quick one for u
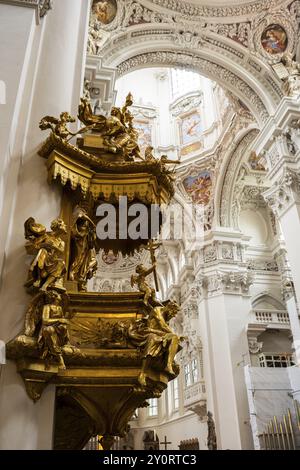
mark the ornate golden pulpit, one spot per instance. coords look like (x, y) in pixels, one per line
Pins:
(107, 353)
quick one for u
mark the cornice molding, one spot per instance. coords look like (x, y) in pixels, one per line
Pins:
(41, 6)
(251, 8)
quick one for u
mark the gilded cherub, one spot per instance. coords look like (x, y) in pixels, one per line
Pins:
(140, 281)
(58, 125)
(48, 267)
(155, 338)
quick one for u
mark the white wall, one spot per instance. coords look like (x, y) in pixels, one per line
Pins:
(51, 84)
(181, 429)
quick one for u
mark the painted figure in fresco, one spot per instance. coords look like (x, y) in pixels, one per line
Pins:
(83, 251)
(191, 128)
(104, 11)
(274, 39)
(199, 187)
(48, 267)
(144, 134)
(155, 338)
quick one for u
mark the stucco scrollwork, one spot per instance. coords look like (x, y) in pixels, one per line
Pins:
(284, 192)
(220, 11)
(280, 18)
(186, 104)
(237, 282)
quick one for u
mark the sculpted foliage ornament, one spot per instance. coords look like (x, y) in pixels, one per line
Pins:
(266, 31)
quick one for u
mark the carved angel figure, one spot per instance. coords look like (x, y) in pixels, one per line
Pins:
(291, 84)
(140, 281)
(53, 334)
(48, 267)
(155, 338)
(83, 251)
(94, 38)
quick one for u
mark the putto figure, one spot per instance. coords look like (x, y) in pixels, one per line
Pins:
(83, 251)
(48, 267)
(58, 125)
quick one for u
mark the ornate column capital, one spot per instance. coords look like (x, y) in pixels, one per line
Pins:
(42, 6)
(229, 282)
(284, 193)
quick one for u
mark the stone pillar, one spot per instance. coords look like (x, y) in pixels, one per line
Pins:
(52, 84)
(292, 309)
(224, 307)
(280, 142)
(284, 199)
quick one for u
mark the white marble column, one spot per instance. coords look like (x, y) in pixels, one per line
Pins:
(295, 326)
(223, 316)
(224, 307)
(52, 84)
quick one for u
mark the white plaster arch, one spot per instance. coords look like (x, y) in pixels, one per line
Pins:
(145, 35)
(224, 192)
(269, 298)
(247, 87)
